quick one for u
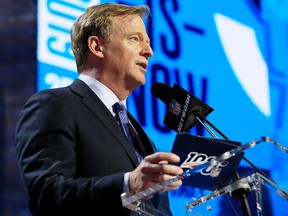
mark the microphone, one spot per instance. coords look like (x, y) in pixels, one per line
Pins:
(183, 108)
(183, 111)
(195, 110)
(162, 91)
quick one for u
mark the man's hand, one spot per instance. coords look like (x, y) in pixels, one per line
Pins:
(154, 169)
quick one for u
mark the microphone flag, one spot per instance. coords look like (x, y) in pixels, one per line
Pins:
(181, 110)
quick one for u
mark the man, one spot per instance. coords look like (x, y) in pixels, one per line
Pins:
(73, 155)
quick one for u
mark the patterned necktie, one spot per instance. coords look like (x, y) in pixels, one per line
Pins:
(122, 117)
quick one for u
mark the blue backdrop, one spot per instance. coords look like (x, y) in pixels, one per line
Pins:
(231, 54)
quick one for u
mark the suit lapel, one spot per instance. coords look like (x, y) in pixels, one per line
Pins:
(95, 105)
(144, 143)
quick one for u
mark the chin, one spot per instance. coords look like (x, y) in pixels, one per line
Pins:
(142, 82)
(134, 83)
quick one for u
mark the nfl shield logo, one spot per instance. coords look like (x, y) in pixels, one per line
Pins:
(175, 107)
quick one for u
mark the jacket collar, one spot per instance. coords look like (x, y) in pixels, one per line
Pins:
(96, 106)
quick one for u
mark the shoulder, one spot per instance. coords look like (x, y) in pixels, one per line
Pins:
(60, 94)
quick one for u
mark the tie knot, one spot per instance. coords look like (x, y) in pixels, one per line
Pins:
(119, 106)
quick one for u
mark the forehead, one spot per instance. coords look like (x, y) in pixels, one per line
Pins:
(128, 24)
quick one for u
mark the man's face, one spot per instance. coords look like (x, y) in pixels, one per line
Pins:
(127, 52)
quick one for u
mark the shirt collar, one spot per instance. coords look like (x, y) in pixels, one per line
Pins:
(103, 92)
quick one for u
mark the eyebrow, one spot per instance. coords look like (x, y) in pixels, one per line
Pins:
(142, 36)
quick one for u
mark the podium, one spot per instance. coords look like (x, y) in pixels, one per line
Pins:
(268, 198)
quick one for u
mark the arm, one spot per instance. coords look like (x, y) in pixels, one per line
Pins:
(46, 146)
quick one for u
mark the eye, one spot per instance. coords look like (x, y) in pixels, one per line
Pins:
(135, 38)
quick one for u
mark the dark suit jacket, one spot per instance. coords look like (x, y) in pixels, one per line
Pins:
(73, 154)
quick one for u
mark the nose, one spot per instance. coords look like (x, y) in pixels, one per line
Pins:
(146, 50)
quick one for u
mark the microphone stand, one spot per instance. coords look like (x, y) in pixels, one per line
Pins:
(200, 118)
(241, 192)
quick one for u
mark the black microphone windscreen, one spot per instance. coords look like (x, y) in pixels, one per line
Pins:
(162, 91)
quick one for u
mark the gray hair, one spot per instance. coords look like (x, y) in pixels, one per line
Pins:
(97, 20)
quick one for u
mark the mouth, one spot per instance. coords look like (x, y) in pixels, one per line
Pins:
(142, 65)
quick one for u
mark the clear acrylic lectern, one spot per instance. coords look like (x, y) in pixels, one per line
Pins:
(270, 198)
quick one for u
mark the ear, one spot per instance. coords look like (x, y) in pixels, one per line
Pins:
(95, 46)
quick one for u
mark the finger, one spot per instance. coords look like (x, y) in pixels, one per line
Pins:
(160, 176)
(169, 169)
(157, 169)
(163, 156)
(163, 162)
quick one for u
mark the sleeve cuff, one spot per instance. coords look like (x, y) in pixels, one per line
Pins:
(126, 183)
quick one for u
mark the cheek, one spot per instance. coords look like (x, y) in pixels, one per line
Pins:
(123, 55)
(127, 58)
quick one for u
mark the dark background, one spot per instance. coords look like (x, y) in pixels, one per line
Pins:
(17, 83)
